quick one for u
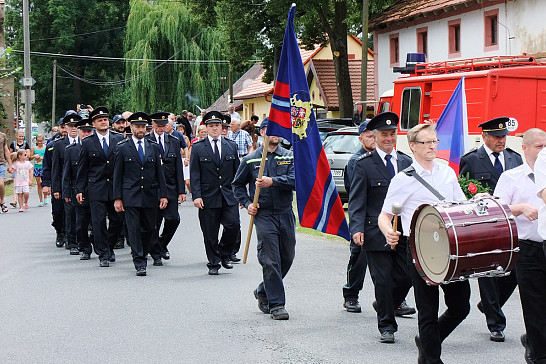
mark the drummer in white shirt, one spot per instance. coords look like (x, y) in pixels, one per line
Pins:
(408, 191)
(516, 187)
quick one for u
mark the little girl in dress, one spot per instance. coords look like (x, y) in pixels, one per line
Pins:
(22, 179)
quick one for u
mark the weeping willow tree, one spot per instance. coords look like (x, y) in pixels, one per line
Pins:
(165, 30)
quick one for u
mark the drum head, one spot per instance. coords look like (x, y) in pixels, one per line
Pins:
(432, 244)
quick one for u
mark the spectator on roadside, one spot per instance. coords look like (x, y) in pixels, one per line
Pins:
(183, 119)
(175, 133)
(240, 137)
(5, 160)
(250, 127)
(18, 144)
(198, 121)
(232, 113)
(201, 133)
(22, 179)
(38, 155)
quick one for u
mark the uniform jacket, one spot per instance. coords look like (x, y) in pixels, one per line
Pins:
(70, 172)
(172, 166)
(139, 184)
(477, 163)
(46, 165)
(280, 167)
(369, 187)
(210, 179)
(349, 168)
(57, 164)
(95, 170)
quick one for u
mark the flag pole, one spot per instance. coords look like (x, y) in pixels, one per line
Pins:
(256, 196)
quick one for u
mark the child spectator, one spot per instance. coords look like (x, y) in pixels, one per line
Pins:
(38, 156)
(22, 180)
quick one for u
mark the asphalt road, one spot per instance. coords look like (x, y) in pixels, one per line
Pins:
(55, 308)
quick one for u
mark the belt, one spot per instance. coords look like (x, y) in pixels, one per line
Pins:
(536, 244)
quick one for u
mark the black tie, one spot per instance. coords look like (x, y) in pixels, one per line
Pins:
(532, 177)
(390, 166)
(497, 165)
(216, 151)
(161, 147)
(105, 146)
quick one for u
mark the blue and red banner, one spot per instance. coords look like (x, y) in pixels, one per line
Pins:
(292, 117)
(452, 128)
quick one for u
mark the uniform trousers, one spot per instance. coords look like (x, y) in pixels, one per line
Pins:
(57, 210)
(70, 224)
(140, 229)
(494, 292)
(356, 272)
(210, 220)
(171, 219)
(531, 271)
(276, 250)
(104, 239)
(391, 280)
(433, 329)
(83, 217)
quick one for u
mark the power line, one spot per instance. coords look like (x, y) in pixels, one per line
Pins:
(80, 34)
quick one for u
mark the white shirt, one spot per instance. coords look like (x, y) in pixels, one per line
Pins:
(107, 136)
(394, 158)
(515, 186)
(72, 140)
(135, 140)
(540, 180)
(235, 115)
(411, 193)
(218, 144)
(159, 138)
(492, 157)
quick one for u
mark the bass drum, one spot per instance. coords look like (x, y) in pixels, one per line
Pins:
(456, 241)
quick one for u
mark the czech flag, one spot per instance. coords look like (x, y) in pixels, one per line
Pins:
(452, 128)
(292, 117)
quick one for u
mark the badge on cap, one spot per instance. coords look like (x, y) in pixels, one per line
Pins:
(501, 126)
(388, 122)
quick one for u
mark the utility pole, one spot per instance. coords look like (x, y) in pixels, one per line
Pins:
(54, 94)
(230, 76)
(364, 67)
(27, 80)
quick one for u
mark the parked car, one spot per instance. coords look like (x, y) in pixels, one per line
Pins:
(339, 146)
(326, 126)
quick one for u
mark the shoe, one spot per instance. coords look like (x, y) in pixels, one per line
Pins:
(119, 244)
(404, 309)
(374, 305)
(112, 257)
(279, 313)
(480, 306)
(26, 207)
(46, 201)
(263, 303)
(234, 258)
(74, 251)
(141, 272)
(387, 337)
(59, 240)
(41, 204)
(85, 256)
(497, 336)
(525, 344)
(21, 210)
(158, 262)
(3, 207)
(13, 204)
(226, 263)
(104, 263)
(166, 255)
(213, 271)
(352, 306)
(421, 358)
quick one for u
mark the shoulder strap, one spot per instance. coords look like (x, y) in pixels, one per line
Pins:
(410, 171)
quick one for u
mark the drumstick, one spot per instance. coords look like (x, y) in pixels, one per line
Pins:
(396, 209)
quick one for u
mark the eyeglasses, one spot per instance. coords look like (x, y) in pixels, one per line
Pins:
(429, 143)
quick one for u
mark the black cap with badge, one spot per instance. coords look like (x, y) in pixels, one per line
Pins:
(84, 124)
(213, 117)
(71, 119)
(160, 117)
(99, 112)
(496, 126)
(139, 118)
(384, 121)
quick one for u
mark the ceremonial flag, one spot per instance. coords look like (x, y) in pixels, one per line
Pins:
(452, 128)
(291, 116)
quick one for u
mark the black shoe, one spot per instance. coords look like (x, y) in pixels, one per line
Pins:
(525, 344)
(158, 262)
(234, 258)
(263, 303)
(104, 263)
(59, 240)
(497, 336)
(141, 272)
(74, 251)
(226, 263)
(480, 306)
(112, 258)
(421, 358)
(85, 256)
(166, 255)
(404, 309)
(387, 337)
(279, 313)
(120, 244)
(352, 306)
(213, 271)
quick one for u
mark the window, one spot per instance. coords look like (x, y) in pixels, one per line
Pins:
(422, 41)
(454, 32)
(394, 50)
(491, 30)
(411, 107)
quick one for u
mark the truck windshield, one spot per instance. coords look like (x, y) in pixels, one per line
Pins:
(411, 107)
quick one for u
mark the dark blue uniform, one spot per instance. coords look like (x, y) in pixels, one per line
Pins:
(82, 211)
(388, 268)
(94, 179)
(57, 207)
(210, 179)
(140, 185)
(59, 148)
(494, 292)
(275, 221)
(174, 177)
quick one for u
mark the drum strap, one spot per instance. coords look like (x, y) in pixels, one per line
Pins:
(410, 171)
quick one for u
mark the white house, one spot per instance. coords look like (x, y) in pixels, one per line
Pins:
(455, 29)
